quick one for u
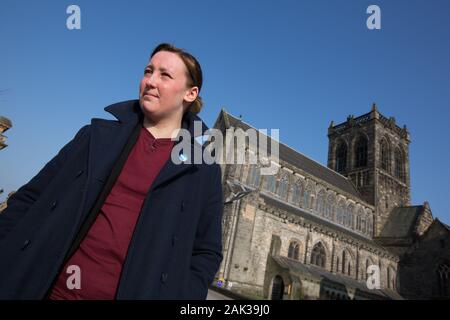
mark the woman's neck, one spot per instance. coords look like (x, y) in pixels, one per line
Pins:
(162, 129)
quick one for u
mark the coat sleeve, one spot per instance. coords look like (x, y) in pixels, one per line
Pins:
(19, 203)
(207, 251)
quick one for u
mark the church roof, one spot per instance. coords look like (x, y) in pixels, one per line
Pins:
(437, 224)
(298, 268)
(299, 160)
(445, 226)
(401, 222)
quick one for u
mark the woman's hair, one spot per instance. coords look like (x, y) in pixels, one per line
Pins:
(194, 75)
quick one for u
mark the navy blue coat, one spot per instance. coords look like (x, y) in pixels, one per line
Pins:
(176, 248)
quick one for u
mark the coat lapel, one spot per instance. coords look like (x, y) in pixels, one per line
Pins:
(171, 170)
(108, 139)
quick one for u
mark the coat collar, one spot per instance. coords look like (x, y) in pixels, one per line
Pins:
(130, 112)
(109, 137)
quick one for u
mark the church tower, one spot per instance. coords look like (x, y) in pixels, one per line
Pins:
(373, 152)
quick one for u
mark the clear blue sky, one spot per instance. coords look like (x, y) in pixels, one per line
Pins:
(293, 65)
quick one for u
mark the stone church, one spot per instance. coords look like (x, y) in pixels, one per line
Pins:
(347, 230)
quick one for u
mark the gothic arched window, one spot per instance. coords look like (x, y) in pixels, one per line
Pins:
(345, 217)
(358, 219)
(341, 157)
(307, 198)
(444, 280)
(330, 205)
(282, 187)
(385, 156)
(344, 261)
(363, 224)
(399, 164)
(340, 213)
(277, 288)
(349, 221)
(369, 224)
(361, 152)
(254, 176)
(321, 203)
(294, 250)
(270, 183)
(318, 256)
(296, 193)
(390, 278)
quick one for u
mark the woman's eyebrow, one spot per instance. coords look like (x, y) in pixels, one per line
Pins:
(162, 69)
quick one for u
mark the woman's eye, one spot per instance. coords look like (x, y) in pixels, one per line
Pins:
(165, 74)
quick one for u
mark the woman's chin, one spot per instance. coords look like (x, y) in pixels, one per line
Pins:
(149, 106)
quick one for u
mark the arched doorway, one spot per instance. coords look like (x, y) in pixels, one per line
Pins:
(277, 288)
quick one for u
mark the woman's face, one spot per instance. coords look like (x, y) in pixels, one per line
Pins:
(163, 90)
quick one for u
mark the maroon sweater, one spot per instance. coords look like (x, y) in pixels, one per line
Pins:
(102, 252)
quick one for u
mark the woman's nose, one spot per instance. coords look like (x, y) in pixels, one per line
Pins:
(151, 80)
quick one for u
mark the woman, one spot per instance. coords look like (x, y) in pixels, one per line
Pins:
(112, 216)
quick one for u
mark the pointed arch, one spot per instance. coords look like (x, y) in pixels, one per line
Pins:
(369, 228)
(283, 186)
(254, 176)
(359, 214)
(318, 255)
(321, 202)
(360, 151)
(270, 183)
(369, 261)
(330, 206)
(390, 277)
(340, 211)
(308, 196)
(347, 261)
(443, 279)
(294, 250)
(399, 164)
(277, 288)
(350, 213)
(385, 155)
(341, 156)
(297, 192)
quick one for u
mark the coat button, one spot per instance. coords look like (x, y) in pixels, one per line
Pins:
(163, 277)
(79, 173)
(174, 240)
(183, 204)
(26, 244)
(53, 205)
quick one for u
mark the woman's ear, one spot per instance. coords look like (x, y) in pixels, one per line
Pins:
(191, 94)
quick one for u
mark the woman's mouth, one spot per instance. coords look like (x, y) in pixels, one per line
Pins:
(150, 95)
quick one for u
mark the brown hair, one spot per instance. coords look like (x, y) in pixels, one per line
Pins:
(194, 75)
